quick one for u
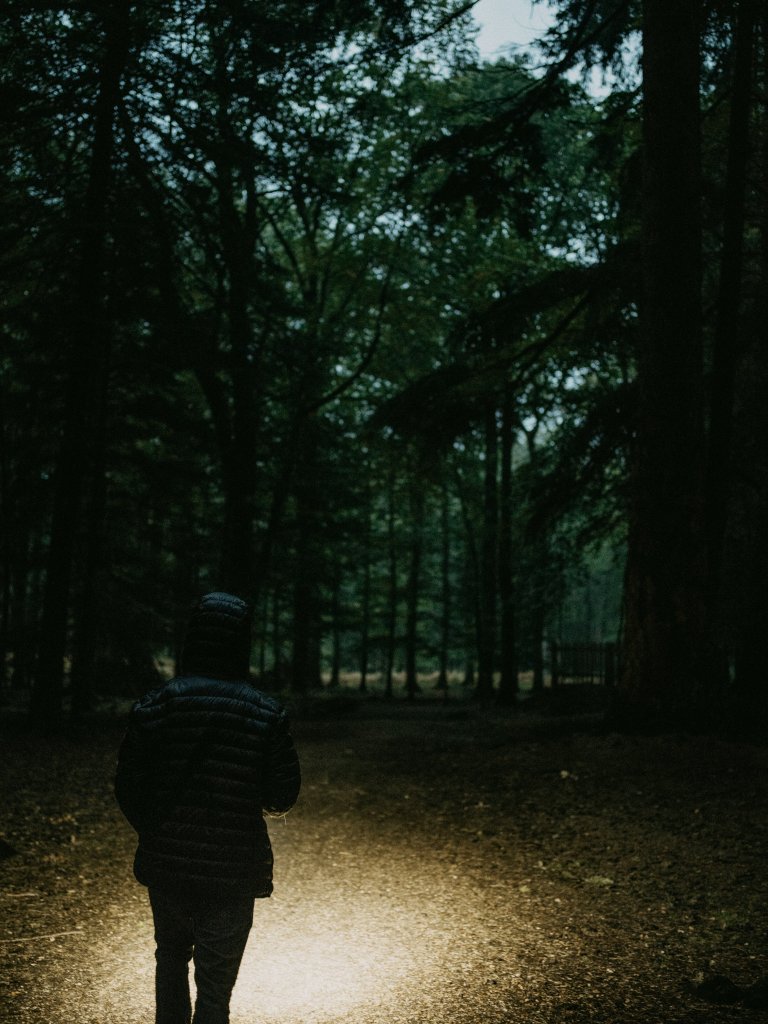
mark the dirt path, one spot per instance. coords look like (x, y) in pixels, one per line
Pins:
(443, 864)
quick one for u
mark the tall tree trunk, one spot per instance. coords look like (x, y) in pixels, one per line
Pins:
(306, 611)
(665, 636)
(471, 604)
(508, 681)
(240, 454)
(234, 403)
(728, 343)
(335, 626)
(365, 602)
(470, 588)
(446, 590)
(413, 588)
(263, 631)
(489, 573)
(751, 612)
(6, 525)
(392, 593)
(20, 584)
(750, 541)
(87, 329)
(85, 638)
(277, 640)
(304, 602)
(537, 646)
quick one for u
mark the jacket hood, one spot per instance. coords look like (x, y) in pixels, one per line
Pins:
(218, 638)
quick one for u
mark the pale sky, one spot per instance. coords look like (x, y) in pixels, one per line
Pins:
(519, 23)
(505, 22)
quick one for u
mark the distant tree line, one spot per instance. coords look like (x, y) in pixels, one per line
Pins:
(305, 302)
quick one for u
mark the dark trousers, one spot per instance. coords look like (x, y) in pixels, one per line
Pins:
(213, 932)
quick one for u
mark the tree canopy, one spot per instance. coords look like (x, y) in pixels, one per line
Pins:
(411, 349)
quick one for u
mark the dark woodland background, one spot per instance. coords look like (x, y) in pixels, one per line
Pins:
(440, 363)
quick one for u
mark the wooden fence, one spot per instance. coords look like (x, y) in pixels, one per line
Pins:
(583, 663)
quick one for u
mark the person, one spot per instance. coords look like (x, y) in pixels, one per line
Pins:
(204, 757)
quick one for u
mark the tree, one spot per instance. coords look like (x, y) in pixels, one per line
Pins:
(87, 336)
(546, 304)
(200, 275)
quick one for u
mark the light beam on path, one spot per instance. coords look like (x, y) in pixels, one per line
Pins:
(350, 934)
(314, 963)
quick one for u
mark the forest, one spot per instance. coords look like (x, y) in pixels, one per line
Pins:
(438, 361)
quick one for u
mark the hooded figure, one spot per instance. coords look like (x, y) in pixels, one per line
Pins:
(204, 757)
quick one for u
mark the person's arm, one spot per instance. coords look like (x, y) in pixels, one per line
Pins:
(134, 782)
(283, 780)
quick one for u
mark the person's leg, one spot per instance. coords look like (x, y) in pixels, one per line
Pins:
(221, 932)
(174, 937)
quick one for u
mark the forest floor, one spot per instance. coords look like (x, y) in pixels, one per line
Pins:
(444, 863)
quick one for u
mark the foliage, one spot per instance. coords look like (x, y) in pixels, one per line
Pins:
(305, 302)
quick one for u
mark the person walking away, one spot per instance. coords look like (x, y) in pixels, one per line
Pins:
(204, 758)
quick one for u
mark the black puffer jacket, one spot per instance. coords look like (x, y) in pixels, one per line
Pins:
(202, 759)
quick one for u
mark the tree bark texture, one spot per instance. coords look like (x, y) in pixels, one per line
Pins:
(413, 588)
(665, 637)
(489, 571)
(748, 537)
(445, 580)
(239, 456)
(87, 334)
(508, 680)
(6, 525)
(336, 626)
(305, 666)
(391, 640)
(365, 604)
(729, 341)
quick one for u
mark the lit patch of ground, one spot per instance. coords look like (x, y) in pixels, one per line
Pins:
(443, 866)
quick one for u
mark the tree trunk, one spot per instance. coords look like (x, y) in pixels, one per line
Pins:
(728, 343)
(87, 330)
(263, 632)
(751, 604)
(365, 603)
(391, 644)
(6, 524)
(413, 588)
(470, 588)
(508, 681)
(19, 626)
(304, 601)
(445, 578)
(335, 627)
(240, 456)
(86, 623)
(233, 402)
(237, 573)
(664, 642)
(86, 632)
(306, 625)
(537, 642)
(471, 613)
(277, 641)
(489, 573)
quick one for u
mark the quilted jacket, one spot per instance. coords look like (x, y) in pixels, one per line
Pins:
(203, 758)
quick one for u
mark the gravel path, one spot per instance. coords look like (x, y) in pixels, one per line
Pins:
(443, 864)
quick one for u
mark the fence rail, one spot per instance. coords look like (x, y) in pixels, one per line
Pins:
(583, 663)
